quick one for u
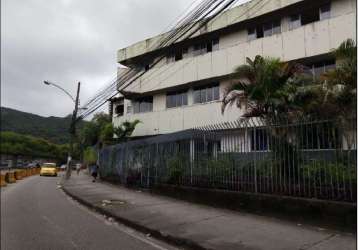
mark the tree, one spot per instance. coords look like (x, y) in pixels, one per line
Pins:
(91, 133)
(264, 87)
(18, 144)
(106, 134)
(125, 129)
(89, 156)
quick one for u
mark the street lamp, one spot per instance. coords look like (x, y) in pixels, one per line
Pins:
(73, 123)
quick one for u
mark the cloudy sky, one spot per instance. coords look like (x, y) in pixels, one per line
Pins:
(66, 41)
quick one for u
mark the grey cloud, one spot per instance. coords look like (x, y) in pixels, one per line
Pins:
(66, 41)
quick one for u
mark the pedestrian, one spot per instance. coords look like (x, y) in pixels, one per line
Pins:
(94, 172)
(78, 168)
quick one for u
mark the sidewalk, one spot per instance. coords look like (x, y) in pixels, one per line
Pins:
(198, 226)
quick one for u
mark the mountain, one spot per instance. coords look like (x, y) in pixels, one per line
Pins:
(53, 129)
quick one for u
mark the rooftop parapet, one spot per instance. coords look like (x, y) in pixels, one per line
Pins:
(249, 10)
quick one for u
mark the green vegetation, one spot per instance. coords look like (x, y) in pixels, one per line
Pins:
(329, 172)
(89, 156)
(268, 88)
(100, 131)
(335, 93)
(17, 144)
(263, 86)
(53, 129)
(176, 169)
(125, 129)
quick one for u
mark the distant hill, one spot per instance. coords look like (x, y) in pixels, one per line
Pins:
(53, 129)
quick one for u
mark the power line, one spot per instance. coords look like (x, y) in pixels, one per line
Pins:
(193, 22)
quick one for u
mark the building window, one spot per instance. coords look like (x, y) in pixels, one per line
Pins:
(205, 47)
(199, 49)
(310, 16)
(325, 12)
(186, 52)
(129, 109)
(295, 21)
(119, 110)
(215, 44)
(178, 55)
(259, 140)
(251, 34)
(207, 93)
(254, 33)
(272, 28)
(177, 99)
(144, 104)
(170, 57)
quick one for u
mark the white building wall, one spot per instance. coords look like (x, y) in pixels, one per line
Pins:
(166, 120)
(309, 40)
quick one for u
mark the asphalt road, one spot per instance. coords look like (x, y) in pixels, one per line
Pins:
(36, 214)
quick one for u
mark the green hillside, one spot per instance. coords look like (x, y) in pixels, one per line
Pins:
(53, 129)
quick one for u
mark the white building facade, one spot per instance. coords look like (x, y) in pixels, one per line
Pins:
(185, 89)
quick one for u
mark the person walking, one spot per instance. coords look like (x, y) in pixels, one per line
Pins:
(78, 168)
(94, 172)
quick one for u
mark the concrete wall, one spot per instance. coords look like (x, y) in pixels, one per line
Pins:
(166, 120)
(238, 14)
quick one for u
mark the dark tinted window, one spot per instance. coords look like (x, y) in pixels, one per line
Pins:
(209, 94)
(177, 99)
(310, 16)
(295, 21)
(178, 55)
(197, 96)
(206, 94)
(251, 34)
(216, 93)
(325, 11)
(144, 104)
(119, 110)
(215, 44)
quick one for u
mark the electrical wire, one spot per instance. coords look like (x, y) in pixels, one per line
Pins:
(194, 21)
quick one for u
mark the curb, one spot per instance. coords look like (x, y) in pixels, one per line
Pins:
(178, 241)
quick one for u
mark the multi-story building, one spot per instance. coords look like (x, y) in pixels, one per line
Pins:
(184, 90)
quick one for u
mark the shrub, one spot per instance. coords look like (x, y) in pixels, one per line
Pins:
(320, 170)
(176, 169)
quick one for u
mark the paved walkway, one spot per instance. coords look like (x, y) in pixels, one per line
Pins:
(201, 226)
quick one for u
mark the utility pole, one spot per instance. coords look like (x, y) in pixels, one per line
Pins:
(72, 133)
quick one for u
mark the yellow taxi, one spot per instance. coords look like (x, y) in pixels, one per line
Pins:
(48, 169)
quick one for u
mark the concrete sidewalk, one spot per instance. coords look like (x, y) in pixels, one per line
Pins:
(201, 227)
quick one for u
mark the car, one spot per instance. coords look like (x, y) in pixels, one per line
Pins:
(48, 169)
(31, 165)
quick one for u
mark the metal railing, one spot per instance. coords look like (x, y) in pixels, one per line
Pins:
(303, 158)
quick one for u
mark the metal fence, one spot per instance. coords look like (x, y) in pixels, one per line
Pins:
(303, 158)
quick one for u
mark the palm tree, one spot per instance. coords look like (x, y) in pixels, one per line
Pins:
(340, 84)
(334, 94)
(265, 87)
(125, 129)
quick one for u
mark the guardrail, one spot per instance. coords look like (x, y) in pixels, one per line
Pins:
(9, 176)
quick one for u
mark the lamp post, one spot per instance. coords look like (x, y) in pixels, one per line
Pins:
(72, 125)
